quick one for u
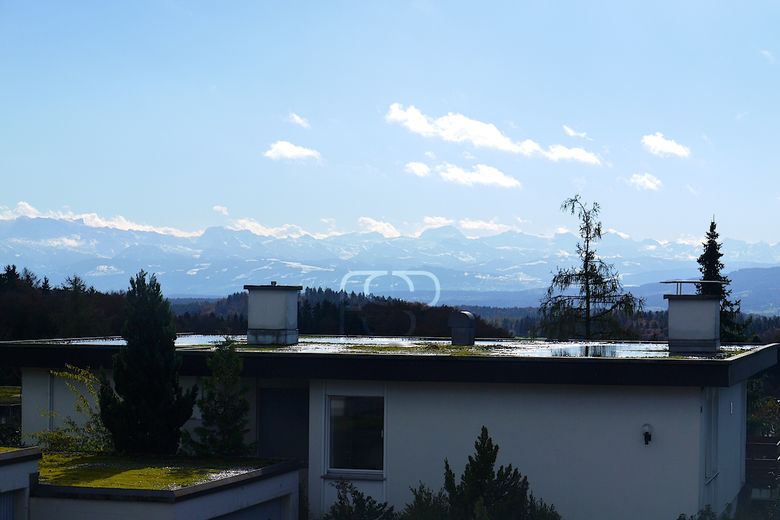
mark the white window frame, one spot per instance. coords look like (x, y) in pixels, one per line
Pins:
(345, 473)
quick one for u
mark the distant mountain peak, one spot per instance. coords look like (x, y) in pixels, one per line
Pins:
(443, 233)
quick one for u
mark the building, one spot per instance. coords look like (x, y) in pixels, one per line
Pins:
(602, 430)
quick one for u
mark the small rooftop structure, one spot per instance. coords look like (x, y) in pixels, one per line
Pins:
(694, 319)
(463, 325)
(272, 314)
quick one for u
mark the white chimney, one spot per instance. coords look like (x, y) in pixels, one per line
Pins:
(694, 320)
(272, 314)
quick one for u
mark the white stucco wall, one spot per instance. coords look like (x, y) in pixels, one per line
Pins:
(43, 393)
(15, 480)
(580, 446)
(273, 309)
(722, 489)
(692, 319)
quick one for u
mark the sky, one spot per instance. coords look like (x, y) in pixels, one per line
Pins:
(332, 117)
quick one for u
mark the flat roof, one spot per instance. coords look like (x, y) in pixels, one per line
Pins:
(133, 472)
(273, 287)
(433, 359)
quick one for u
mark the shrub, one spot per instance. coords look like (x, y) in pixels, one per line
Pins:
(426, 505)
(351, 504)
(706, 514)
(89, 436)
(223, 406)
(481, 492)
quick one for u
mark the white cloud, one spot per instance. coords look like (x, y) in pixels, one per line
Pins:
(298, 120)
(418, 168)
(480, 174)
(120, 222)
(432, 223)
(645, 181)
(385, 229)
(559, 152)
(435, 222)
(693, 191)
(222, 210)
(430, 155)
(768, 55)
(253, 226)
(24, 209)
(482, 227)
(573, 133)
(287, 150)
(457, 128)
(659, 145)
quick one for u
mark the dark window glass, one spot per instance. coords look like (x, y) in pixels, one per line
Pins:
(356, 432)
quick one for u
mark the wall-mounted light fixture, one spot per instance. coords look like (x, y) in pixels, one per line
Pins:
(647, 433)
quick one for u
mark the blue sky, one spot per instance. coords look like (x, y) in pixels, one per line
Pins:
(327, 117)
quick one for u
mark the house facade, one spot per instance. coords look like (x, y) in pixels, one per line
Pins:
(608, 431)
(576, 426)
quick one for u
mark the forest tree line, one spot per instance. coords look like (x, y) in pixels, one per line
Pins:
(32, 308)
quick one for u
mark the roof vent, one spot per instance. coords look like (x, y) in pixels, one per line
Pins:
(462, 324)
(694, 319)
(272, 314)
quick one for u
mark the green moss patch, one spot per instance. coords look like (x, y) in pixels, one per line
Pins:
(10, 394)
(424, 347)
(105, 471)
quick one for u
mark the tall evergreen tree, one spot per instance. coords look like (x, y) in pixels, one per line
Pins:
(586, 299)
(146, 408)
(732, 326)
(224, 407)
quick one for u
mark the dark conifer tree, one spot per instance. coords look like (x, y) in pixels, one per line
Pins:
(587, 299)
(224, 407)
(484, 492)
(146, 408)
(732, 326)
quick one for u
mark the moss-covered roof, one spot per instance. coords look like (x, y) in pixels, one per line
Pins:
(10, 395)
(421, 346)
(108, 471)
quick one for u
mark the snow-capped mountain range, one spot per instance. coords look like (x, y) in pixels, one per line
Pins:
(220, 261)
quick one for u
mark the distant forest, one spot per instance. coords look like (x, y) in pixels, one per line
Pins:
(324, 311)
(30, 308)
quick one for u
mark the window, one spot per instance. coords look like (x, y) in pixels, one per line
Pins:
(356, 433)
(711, 406)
